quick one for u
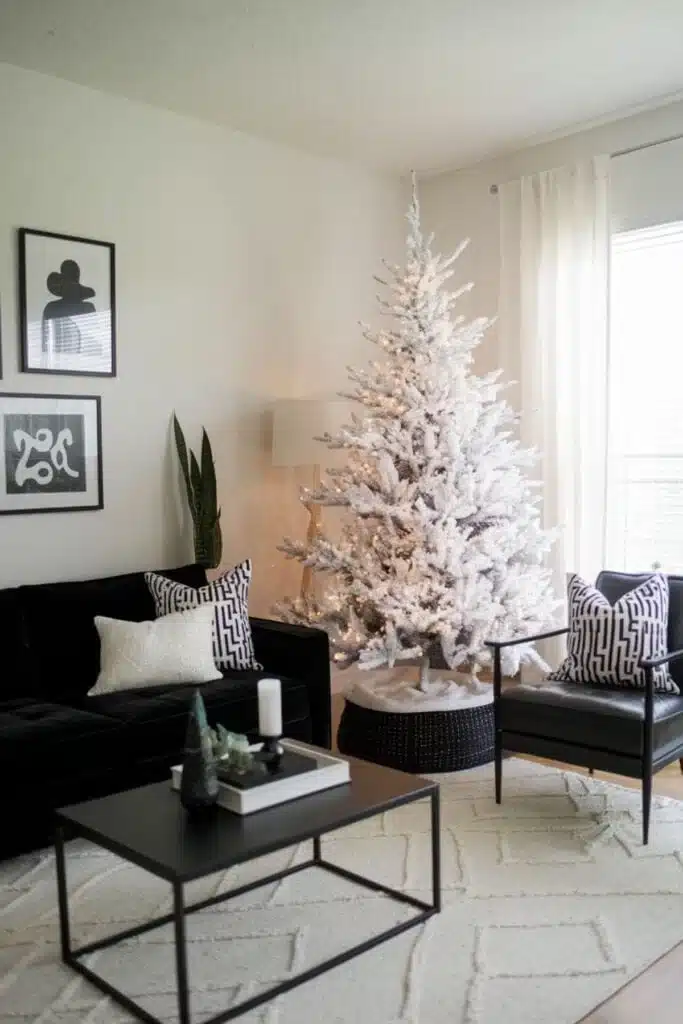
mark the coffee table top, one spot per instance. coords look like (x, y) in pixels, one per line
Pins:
(149, 826)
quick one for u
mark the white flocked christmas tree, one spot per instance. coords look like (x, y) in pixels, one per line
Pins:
(441, 546)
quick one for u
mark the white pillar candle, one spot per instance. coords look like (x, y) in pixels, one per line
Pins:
(269, 707)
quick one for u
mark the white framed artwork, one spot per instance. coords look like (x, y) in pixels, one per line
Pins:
(50, 453)
(67, 304)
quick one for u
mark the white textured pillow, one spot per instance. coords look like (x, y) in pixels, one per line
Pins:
(174, 649)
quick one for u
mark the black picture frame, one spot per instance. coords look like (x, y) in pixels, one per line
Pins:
(46, 469)
(73, 336)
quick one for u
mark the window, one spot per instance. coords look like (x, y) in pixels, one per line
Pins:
(645, 466)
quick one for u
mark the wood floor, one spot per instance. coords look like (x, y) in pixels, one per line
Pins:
(657, 993)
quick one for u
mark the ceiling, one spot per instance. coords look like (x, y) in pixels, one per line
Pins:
(393, 84)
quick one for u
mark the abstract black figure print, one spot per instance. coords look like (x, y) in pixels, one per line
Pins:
(67, 304)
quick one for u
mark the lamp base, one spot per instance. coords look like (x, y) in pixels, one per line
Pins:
(314, 525)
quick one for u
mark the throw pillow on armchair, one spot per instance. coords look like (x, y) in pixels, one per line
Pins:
(607, 642)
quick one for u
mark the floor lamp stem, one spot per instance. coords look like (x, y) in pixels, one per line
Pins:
(314, 521)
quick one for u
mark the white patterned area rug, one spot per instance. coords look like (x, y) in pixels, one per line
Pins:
(546, 913)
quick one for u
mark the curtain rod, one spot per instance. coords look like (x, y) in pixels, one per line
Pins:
(624, 152)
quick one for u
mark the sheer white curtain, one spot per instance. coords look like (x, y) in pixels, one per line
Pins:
(553, 333)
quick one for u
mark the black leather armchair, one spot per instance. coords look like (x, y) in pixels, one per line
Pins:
(629, 732)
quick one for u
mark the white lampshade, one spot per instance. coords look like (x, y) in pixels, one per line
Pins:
(297, 421)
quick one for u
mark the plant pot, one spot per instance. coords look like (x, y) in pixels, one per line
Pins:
(430, 741)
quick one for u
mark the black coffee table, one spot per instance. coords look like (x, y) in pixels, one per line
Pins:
(148, 827)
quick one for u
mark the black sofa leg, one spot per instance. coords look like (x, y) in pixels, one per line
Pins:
(590, 771)
(680, 761)
(647, 800)
(499, 767)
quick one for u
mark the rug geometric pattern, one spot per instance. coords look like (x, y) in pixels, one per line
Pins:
(546, 912)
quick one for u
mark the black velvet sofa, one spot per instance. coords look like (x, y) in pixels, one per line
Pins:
(59, 746)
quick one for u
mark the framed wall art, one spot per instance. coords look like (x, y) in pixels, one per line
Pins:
(50, 453)
(67, 304)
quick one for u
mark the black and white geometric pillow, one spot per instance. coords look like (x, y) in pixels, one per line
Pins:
(233, 646)
(606, 641)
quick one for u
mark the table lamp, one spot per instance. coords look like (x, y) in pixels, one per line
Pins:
(296, 424)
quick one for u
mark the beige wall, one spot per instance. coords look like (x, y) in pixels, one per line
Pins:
(646, 189)
(242, 270)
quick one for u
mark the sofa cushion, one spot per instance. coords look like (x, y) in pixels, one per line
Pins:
(591, 716)
(60, 625)
(41, 739)
(615, 584)
(17, 678)
(155, 719)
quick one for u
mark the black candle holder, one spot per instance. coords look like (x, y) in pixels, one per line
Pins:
(271, 752)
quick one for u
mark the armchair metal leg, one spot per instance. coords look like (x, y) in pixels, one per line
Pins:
(680, 761)
(497, 732)
(647, 800)
(499, 767)
(647, 750)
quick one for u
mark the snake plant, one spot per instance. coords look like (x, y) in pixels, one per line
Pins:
(200, 485)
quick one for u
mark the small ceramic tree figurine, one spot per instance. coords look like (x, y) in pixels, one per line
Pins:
(231, 750)
(199, 783)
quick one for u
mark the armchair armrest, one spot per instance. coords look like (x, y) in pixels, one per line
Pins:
(300, 652)
(662, 660)
(650, 664)
(498, 644)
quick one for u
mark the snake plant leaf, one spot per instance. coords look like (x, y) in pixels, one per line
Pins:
(196, 479)
(181, 448)
(208, 477)
(216, 553)
(200, 484)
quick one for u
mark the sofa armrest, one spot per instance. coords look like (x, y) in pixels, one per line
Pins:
(299, 652)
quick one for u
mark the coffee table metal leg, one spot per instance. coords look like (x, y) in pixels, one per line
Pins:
(181, 953)
(436, 850)
(317, 851)
(62, 895)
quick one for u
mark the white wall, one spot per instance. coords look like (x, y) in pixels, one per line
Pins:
(242, 270)
(647, 189)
